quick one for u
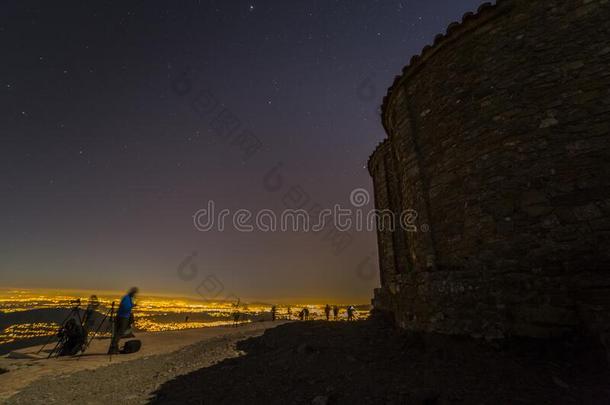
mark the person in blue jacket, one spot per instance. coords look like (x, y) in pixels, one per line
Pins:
(122, 319)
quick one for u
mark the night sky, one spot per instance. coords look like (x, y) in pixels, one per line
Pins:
(111, 139)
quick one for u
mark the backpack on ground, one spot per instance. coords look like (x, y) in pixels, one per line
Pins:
(131, 346)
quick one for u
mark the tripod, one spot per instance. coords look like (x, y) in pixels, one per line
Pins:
(75, 309)
(108, 315)
(68, 321)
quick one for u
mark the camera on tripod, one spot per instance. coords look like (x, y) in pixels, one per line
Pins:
(73, 334)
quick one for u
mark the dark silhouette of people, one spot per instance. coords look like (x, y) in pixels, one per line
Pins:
(122, 320)
(89, 315)
(350, 313)
(236, 313)
(327, 312)
(186, 320)
(273, 313)
(306, 314)
(335, 312)
(289, 313)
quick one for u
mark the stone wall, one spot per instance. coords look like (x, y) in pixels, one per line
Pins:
(499, 137)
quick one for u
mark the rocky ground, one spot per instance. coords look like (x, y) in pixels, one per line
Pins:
(124, 381)
(362, 363)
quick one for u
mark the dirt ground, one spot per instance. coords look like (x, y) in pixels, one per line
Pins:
(361, 363)
(96, 379)
(327, 363)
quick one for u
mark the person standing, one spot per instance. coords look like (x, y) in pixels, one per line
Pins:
(122, 319)
(273, 313)
(350, 313)
(236, 314)
(327, 312)
(335, 312)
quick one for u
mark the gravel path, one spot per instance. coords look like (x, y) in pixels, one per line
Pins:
(130, 382)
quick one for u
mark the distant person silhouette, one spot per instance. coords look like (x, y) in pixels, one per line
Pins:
(289, 315)
(306, 314)
(89, 315)
(236, 312)
(350, 313)
(273, 313)
(186, 320)
(327, 312)
(122, 319)
(335, 312)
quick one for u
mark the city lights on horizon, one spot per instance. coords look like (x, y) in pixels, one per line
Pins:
(66, 294)
(152, 313)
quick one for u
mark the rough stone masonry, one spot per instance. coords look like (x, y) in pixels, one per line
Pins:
(499, 139)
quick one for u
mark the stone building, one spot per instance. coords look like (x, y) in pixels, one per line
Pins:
(499, 139)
